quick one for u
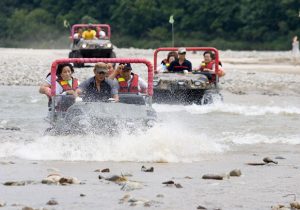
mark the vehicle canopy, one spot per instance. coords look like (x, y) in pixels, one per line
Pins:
(105, 60)
(169, 49)
(133, 110)
(97, 27)
(197, 87)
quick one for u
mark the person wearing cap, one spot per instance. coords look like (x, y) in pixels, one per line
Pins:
(180, 64)
(65, 83)
(99, 87)
(90, 33)
(128, 82)
(208, 65)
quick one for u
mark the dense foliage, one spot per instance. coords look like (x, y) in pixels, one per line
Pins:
(226, 24)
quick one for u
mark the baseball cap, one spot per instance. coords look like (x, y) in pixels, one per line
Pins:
(181, 50)
(101, 67)
(127, 66)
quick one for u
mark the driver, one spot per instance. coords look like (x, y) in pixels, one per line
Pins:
(180, 64)
(90, 33)
(99, 87)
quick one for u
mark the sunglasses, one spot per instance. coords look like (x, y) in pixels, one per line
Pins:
(101, 72)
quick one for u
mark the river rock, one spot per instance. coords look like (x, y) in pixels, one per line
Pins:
(177, 185)
(106, 170)
(124, 199)
(68, 180)
(27, 208)
(131, 185)
(269, 160)
(58, 179)
(52, 202)
(15, 183)
(2, 204)
(169, 182)
(139, 201)
(215, 176)
(295, 205)
(235, 172)
(82, 195)
(117, 179)
(256, 164)
(52, 179)
(201, 207)
(101, 177)
(279, 207)
(144, 169)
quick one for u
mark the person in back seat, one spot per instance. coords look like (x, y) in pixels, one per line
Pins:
(172, 56)
(100, 34)
(208, 65)
(128, 82)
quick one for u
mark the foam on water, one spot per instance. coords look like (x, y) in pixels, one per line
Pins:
(157, 144)
(229, 108)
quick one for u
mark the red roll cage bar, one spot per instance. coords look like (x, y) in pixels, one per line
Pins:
(105, 60)
(188, 49)
(101, 26)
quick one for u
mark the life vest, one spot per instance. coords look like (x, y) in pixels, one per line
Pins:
(210, 66)
(207, 65)
(134, 85)
(66, 86)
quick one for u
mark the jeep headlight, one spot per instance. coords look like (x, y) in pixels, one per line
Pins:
(108, 45)
(155, 83)
(197, 83)
(180, 83)
(84, 45)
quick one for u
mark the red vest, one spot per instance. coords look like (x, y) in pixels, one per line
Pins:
(65, 85)
(207, 65)
(134, 86)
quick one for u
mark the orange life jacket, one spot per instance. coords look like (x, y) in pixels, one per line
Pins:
(207, 65)
(66, 86)
(210, 66)
(134, 85)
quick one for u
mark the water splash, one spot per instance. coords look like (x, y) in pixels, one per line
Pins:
(230, 109)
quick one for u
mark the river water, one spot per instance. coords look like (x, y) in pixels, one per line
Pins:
(182, 134)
